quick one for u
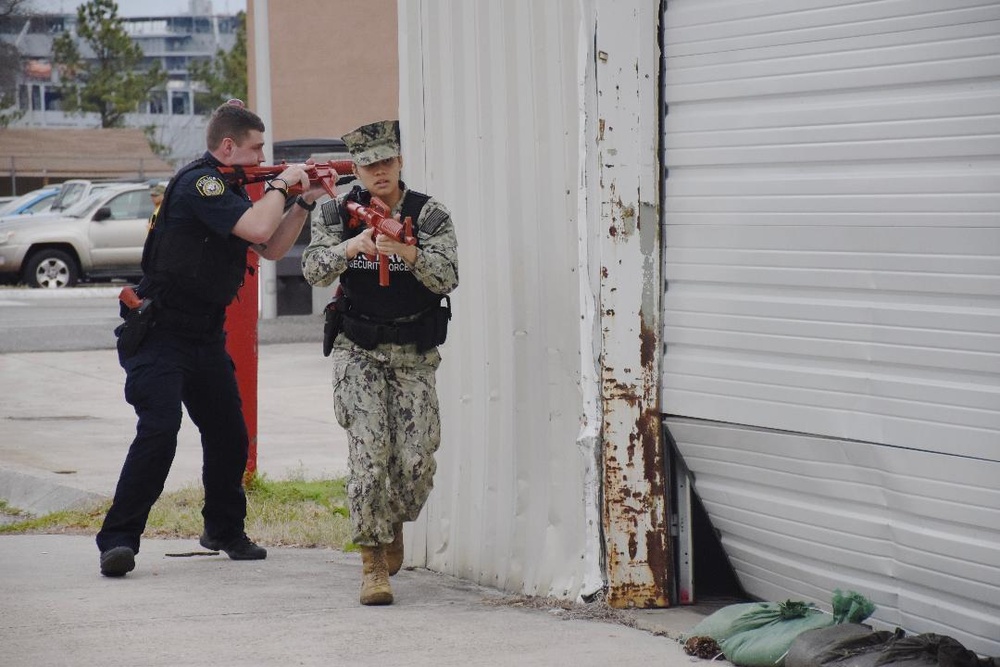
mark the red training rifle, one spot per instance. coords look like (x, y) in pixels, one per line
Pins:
(378, 216)
(325, 173)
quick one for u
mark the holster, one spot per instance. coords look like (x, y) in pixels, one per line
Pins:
(427, 332)
(435, 326)
(333, 319)
(133, 330)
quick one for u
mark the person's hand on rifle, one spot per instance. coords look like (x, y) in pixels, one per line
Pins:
(298, 175)
(362, 244)
(386, 245)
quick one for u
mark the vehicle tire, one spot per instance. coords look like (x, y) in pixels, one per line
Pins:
(50, 268)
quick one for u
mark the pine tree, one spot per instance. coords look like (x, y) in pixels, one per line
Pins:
(225, 76)
(114, 82)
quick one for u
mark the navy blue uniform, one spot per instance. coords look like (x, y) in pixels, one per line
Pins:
(183, 360)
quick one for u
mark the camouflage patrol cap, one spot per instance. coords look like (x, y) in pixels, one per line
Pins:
(373, 142)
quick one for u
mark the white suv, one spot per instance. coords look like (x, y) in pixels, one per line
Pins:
(100, 236)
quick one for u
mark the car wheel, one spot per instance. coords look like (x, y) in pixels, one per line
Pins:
(51, 269)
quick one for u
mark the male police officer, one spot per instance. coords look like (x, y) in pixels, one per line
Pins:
(173, 347)
(385, 359)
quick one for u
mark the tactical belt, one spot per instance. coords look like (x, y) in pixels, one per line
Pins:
(368, 333)
(181, 321)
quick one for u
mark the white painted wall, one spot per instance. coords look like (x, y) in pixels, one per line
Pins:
(832, 250)
(490, 112)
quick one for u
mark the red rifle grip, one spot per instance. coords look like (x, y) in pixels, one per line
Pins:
(383, 270)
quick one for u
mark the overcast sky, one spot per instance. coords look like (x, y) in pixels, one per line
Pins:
(142, 7)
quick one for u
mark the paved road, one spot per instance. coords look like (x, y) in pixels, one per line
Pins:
(83, 318)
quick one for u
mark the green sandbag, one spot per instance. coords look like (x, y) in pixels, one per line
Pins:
(719, 624)
(766, 645)
(761, 637)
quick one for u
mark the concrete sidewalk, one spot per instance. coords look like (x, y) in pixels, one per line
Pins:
(65, 431)
(66, 426)
(298, 607)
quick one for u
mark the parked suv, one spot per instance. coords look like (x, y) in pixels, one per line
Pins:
(100, 236)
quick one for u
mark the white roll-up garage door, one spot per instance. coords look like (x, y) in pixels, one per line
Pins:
(832, 312)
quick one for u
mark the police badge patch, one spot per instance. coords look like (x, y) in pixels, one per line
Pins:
(210, 186)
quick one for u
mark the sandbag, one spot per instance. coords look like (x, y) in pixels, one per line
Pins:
(854, 645)
(719, 624)
(761, 637)
(931, 650)
(766, 644)
(844, 645)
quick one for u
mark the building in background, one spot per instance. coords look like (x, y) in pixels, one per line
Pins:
(333, 65)
(317, 70)
(174, 41)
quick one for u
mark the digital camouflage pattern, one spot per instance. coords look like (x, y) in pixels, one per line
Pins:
(386, 400)
(373, 142)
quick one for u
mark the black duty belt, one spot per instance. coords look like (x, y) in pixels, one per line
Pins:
(369, 334)
(182, 321)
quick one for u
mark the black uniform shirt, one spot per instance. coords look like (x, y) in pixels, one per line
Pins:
(201, 201)
(201, 196)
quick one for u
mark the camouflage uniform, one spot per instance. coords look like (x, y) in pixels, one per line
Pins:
(385, 398)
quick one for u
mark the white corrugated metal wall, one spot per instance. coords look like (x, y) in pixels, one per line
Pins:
(832, 251)
(490, 114)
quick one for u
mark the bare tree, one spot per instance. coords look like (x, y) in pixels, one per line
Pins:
(10, 63)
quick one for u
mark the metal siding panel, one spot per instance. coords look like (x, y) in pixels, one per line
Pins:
(491, 110)
(916, 532)
(832, 256)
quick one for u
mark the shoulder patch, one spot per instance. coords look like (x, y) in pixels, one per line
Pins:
(433, 221)
(210, 186)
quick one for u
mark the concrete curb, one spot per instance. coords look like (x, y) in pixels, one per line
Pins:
(36, 495)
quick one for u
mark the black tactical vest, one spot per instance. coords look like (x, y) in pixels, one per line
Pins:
(190, 263)
(405, 296)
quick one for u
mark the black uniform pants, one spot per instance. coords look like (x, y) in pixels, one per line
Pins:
(170, 370)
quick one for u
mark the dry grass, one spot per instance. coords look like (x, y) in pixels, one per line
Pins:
(293, 512)
(596, 610)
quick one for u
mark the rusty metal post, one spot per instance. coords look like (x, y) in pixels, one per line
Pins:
(636, 527)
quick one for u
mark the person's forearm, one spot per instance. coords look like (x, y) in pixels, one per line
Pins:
(285, 235)
(259, 223)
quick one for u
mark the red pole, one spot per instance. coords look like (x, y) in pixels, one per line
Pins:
(241, 343)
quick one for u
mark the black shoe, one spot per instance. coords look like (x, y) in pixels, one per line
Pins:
(117, 561)
(241, 548)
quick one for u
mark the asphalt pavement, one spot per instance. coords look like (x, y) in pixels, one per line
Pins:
(64, 432)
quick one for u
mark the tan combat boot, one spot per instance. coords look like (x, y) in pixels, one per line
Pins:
(394, 550)
(375, 587)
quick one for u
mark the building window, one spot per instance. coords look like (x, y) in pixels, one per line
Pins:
(158, 102)
(180, 104)
(53, 99)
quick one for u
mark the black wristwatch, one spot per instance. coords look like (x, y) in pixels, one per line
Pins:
(300, 200)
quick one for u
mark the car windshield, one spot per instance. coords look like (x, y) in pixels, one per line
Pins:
(69, 194)
(83, 207)
(18, 202)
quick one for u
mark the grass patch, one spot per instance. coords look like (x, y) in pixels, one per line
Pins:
(293, 512)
